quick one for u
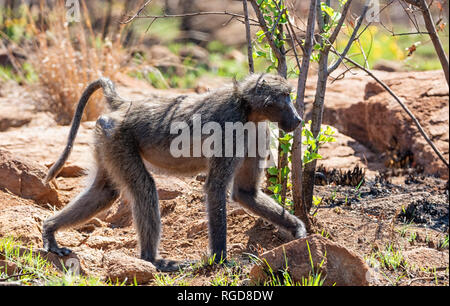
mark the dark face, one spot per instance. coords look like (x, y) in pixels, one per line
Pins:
(269, 97)
(283, 112)
(277, 107)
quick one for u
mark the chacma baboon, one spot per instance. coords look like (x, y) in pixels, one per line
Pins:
(134, 131)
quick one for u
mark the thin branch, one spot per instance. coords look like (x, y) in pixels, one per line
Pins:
(352, 38)
(15, 275)
(429, 24)
(251, 66)
(405, 108)
(196, 14)
(338, 27)
(137, 13)
(410, 33)
(266, 30)
(293, 47)
(413, 2)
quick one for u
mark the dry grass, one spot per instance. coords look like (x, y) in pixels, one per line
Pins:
(67, 57)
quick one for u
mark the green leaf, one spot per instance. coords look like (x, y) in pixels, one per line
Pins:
(328, 10)
(272, 170)
(273, 180)
(315, 156)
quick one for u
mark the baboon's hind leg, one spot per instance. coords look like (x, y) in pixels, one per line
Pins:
(129, 171)
(99, 195)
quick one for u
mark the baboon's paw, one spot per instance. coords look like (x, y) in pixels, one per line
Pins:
(300, 233)
(58, 251)
(165, 265)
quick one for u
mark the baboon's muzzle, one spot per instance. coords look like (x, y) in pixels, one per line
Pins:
(290, 119)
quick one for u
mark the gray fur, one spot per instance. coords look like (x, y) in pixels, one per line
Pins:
(134, 131)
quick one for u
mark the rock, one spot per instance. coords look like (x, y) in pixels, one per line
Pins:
(123, 268)
(390, 66)
(119, 215)
(169, 187)
(346, 153)
(22, 222)
(208, 28)
(340, 266)
(25, 178)
(371, 116)
(11, 117)
(197, 228)
(8, 267)
(162, 58)
(45, 144)
(426, 258)
(197, 53)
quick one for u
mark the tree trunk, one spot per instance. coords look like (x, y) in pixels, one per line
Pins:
(297, 155)
(316, 121)
(431, 29)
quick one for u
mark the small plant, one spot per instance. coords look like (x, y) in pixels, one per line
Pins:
(32, 269)
(179, 279)
(230, 276)
(443, 243)
(404, 229)
(314, 143)
(283, 276)
(277, 176)
(412, 237)
(389, 258)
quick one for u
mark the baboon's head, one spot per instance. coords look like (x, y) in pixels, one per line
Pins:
(269, 98)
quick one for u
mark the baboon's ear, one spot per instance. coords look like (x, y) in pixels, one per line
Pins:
(259, 81)
(235, 83)
(236, 89)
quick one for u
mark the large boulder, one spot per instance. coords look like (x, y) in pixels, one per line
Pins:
(25, 178)
(358, 107)
(346, 153)
(338, 265)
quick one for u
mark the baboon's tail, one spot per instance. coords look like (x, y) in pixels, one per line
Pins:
(111, 96)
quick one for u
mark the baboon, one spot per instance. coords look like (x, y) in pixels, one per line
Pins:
(136, 131)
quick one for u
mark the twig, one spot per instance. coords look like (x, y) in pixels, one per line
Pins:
(410, 33)
(15, 275)
(266, 30)
(251, 66)
(333, 67)
(405, 108)
(429, 24)
(137, 13)
(420, 278)
(196, 14)
(338, 27)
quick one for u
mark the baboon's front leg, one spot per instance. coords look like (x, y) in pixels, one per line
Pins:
(246, 192)
(99, 195)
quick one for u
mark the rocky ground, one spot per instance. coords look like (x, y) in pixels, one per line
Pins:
(402, 205)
